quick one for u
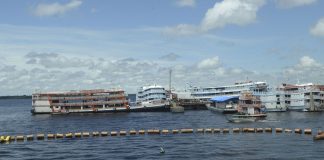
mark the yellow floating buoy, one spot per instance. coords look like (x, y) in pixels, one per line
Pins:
(104, 133)
(4, 139)
(50, 136)
(20, 138)
(7, 139)
(165, 131)
(278, 130)
(217, 130)
(175, 131)
(225, 130)
(308, 131)
(113, 133)
(78, 135)
(236, 130)
(12, 138)
(245, 129)
(208, 130)
(132, 132)
(86, 134)
(59, 135)
(259, 130)
(141, 132)
(251, 130)
(200, 130)
(186, 131)
(122, 133)
(68, 135)
(95, 134)
(156, 131)
(150, 131)
(268, 130)
(288, 130)
(298, 130)
(30, 137)
(40, 136)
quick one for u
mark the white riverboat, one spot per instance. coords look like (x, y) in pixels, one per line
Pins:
(83, 101)
(206, 93)
(274, 100)
(151, 98)
(304, 97)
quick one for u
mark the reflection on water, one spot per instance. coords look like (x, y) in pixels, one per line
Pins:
(15, 118)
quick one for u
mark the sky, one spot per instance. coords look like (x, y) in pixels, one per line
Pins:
(50, 45)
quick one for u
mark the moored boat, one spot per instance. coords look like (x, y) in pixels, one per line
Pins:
(151, 98)
(83, 101)
(223, 104)
(249, 109)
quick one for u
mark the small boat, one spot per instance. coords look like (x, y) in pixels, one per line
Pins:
(249, 109)
(223, 104)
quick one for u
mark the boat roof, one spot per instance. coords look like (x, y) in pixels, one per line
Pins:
(224, 98)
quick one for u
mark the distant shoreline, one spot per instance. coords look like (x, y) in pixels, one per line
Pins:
(16, 97)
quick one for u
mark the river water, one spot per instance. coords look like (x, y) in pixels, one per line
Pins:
(15, 118)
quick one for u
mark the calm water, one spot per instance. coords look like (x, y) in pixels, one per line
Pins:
(15, 118)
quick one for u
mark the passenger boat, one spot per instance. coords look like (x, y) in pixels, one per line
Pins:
(304, 97)
(223, 104)
(206, 93)
(274, 100)
(249, 109)
(151, 98)
(83, 101)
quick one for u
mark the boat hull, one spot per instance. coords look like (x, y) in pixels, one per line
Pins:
(222, 110)
(276, 109)
(153, 108)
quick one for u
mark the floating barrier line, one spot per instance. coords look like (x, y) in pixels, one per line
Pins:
(51, 136)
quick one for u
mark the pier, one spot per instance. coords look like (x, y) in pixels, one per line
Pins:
(6, 139)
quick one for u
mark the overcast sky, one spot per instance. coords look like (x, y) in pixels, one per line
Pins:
(85, 44)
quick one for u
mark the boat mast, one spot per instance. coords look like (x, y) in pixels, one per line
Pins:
(170, 73)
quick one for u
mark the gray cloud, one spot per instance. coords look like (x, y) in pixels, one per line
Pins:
(129, 73)
(170, 57)
(54, 60)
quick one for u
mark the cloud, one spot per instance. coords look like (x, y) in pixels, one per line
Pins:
(54, 9)
(54, 71)
(170, 57)
(307, 62)
(318, 29)
(186, 3)
(237, 12)
(226, 12)
(307, 69)
(54, 60)
(209, 63)
(182, 30)
(286, 4)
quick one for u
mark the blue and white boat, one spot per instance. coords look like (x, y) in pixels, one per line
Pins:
(223, 104)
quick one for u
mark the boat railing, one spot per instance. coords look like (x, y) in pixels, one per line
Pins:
(91, 103)
(79, 97)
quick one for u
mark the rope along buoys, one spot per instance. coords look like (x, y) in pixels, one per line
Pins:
(70, 135)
